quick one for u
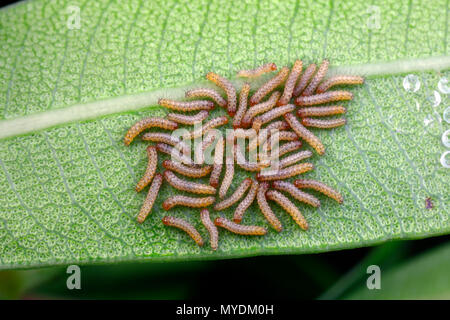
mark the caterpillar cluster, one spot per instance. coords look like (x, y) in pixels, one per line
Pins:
(248, 115)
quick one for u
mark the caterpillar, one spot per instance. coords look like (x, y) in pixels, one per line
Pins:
(243, 97)
(211, 227)
(218, 163)
(317, 78)
(304, 133)
(269, 86)
(325, 97)
(304, 79)
(320, 111)
(265, 208)
(186, 105)
(187, 186)
(166, 138)
(270, 115)
(185, 226)
(151, 168)
(294, 158)
(290, 83)
(338, 80)
(226, 85)
(211, 124)
(186, 201)
(259, 108)
(175, 154)
(148, 123)
(208, 93)
(289, 207)
(268, 67)
(150, 199)
(319, 186)
(237, 194)
(240, 229)
(285, 172)
(246, 202)
(323, 124)
(184, 119)
(191, 172)
(229, 168)
(296, 193)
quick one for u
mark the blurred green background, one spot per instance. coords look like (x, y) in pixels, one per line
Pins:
(418, 269)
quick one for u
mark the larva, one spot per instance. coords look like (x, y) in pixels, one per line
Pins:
(323, 124)
(304, 133)
(317, 78)
(260, 139)
(320, 111)
(175, 154)
(294, 158)
(187, 186)
(237, 194)
(229, 169)
(265, 208)
(184, 119)
(150, 199)
(166, 138)
(185, 170)
(207, 93)
(186, 201)
(226, 85)
(259, 108)
(211, 227)
(246, 202)
(282, 136)
(151, 168)
(243, 134)
(338, 80)
(304, 79)
(268, 67)
(289, 207)
(284, 173)
(296, 193)
(270, 115)
(290, 83)
(325, 97)
(278, 125)
(319, 186)
(186, 105)
(243, 97)
(246, 165)
(218, 163)
(269, 86)
(185, 226)
(286, 148)
(240, 229)
(211, 124)
(200, 152)
(148, 123)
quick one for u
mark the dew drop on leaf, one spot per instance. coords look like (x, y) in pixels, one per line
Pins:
(447, 115)
(442, 86)
(446, 138)
(435, 99)
(411, 83)
(445, 159)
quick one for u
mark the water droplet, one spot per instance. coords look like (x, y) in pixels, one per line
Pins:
(445, 159)
(428, 119)
(442, 86)
(435, 99)
(447, 115)
(446, 138)
(411, 83)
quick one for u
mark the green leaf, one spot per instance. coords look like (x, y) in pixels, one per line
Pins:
(69, 95)
(424, 277)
